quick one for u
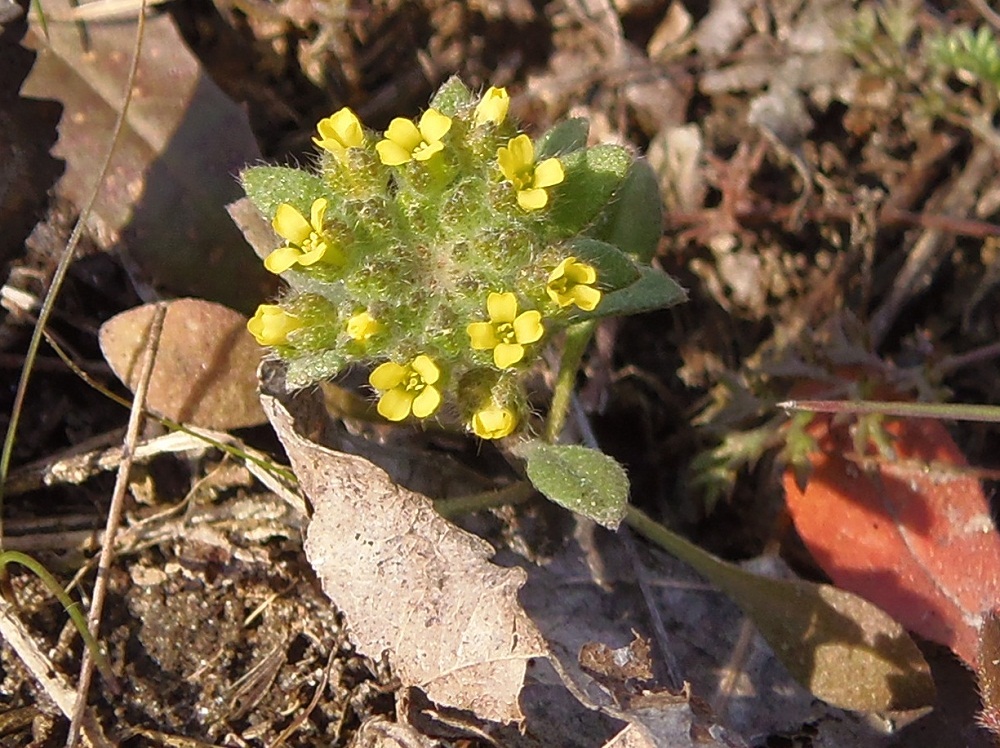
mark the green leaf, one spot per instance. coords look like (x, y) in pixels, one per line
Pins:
(845, 650)
(633, 221)
(654, 290)
(570, 135)
(614, 268)
(452, 97)
(582, 480)
(592, 176)
(270, 186)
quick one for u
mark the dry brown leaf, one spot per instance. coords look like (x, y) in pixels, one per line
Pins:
(206, 364)
(412, 584)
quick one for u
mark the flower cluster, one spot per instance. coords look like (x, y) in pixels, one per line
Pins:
(441, 253)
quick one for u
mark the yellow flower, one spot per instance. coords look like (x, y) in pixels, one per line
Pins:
(271, 325)
(493, 422)
(407, 389)
(572, 283)
(405, 141)
(517, 162)
(362, 326)
(507, 332)
(307, 241)
(340, 131)
(492, 107)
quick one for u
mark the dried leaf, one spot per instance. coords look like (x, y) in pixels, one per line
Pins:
(175, 165)
(842, 648)
(411, 583)
(914, 536)
(206, 363)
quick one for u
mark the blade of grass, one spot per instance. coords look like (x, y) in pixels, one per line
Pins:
(943, 411)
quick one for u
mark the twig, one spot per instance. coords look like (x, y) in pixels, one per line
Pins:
(991, 16)
(930, 251)
(115, 514)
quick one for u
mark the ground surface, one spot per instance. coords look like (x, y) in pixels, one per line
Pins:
(823, 213)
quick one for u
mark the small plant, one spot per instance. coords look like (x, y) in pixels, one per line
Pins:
(445, 253)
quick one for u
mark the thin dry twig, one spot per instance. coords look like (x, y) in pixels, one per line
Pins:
(114, 517)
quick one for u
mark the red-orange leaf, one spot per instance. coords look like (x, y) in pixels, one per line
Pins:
(914, 535)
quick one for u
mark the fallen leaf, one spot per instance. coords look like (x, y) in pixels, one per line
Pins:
(411, 584)
(581, 597)
(914, 536)
(205, 372)
(843, 649)
(175, 165)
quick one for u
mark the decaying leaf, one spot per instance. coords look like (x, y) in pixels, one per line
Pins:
(206, 363)
(412, 584)
(175, 165)
(842, 648)
(914, 536)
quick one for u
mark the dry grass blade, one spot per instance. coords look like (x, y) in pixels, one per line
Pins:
(114, 518)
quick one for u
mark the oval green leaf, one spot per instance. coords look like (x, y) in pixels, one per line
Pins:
(582, 480)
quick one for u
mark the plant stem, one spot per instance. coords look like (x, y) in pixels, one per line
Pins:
(512, 494)
(70, 606)
(577, 339)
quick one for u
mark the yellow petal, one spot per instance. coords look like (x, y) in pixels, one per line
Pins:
(502, 307)
(387, 375)
(271, 325)
(580, 272)
(290, 224)
(560, 270)
(532, 199)
(392, 154)
(586, 297)
(528, 327)
(423, 153)
(426, 368)
(347, 127)
(508, 166)
(317, 213)
(493, 422)
(404, 133)
(507, 354)
(434, 125)
(522, 151)
(482, 336)
(548, 173)
(394, 405)
(426, 402)
(314, 255)
(492, 107)
(281, 259)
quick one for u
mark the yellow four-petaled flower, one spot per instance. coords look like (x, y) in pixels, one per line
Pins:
(492, 107)
(493, 422)
(572, 283)
(272, 324)
(507, 332)
(338, 132)
(517, 163)
(407, 388)
(405, 141)
(307, 240)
